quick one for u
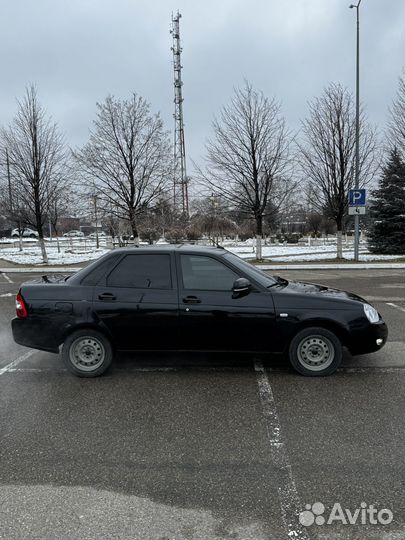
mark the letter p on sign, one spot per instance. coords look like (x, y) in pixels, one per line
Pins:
(357, 197)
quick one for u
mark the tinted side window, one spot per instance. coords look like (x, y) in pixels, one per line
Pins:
(205, 273)
(142, 271)
(99, 271)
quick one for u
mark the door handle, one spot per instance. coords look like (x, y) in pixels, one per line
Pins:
(191, 300)
(106, 296)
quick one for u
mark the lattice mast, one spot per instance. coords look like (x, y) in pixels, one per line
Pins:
(180, 180)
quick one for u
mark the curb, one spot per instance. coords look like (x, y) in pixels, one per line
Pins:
(342, 266)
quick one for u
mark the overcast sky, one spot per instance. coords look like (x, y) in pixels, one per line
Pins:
(79, 51)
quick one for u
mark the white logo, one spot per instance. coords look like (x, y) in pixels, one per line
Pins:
(313, 514)
(366, 514)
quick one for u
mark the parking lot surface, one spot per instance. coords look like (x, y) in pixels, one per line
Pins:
(205, 447)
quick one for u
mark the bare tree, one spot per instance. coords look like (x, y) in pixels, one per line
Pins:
(128, 157)
(10, 207)
(248, 160)
(314, 220)
(160, 218)
(327, 153)
(396, 126)
(59, 205)
(210, 217)
(37, 161)
(165, 214)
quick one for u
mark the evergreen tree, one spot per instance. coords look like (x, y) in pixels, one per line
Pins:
(387, 230)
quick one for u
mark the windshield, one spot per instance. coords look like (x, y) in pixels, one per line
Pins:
(264, 279)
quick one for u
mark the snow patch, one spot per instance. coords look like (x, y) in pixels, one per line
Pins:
(67, 255)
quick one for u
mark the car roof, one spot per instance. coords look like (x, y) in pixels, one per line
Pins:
(172, 247)
(165, 248)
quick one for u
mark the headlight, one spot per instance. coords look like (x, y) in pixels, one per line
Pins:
(371, 313)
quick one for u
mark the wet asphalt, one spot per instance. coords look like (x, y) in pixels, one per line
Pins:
(181, 447)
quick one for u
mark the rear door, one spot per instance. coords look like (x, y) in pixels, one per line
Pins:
(137, 301)
(210, 318)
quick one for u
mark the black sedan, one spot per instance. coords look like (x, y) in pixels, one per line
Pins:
(191, 298)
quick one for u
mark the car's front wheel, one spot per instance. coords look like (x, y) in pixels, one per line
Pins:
(315, 352)
(87, 353)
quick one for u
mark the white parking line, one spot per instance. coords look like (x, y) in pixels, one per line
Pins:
(17, 361)
(34, 370)
(287, 490)
(7, 278)
(6, 294)
(395, 306)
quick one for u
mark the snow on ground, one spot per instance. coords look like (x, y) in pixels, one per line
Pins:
(299, 252)
(15, 240)
(70, 253)
(81, 250)
(365, 257)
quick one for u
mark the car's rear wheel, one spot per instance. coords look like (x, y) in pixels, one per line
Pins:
(315, 352)
(87, 353)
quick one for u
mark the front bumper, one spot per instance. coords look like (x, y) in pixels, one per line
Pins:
(369, 339)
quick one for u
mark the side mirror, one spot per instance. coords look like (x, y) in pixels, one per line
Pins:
(241, 287)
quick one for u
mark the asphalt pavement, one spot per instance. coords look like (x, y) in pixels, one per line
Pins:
(206, 447)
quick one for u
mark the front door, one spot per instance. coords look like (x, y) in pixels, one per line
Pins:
(137, 301)
(211, 318)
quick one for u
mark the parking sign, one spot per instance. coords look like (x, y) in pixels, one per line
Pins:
(357, 197)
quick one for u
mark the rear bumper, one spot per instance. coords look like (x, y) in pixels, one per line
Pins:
(35, 333)
(370, 339)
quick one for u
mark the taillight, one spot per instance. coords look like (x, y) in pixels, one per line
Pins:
(20, 307)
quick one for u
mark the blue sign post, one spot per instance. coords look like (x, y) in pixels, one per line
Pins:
(357, 201)
(357, 206)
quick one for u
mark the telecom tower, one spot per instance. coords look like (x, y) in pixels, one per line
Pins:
(180, 180)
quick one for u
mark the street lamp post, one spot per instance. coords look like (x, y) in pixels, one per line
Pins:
(357, 163)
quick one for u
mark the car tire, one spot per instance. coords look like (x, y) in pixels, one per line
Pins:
(87, 353)
(33, 236)
(315, 352)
